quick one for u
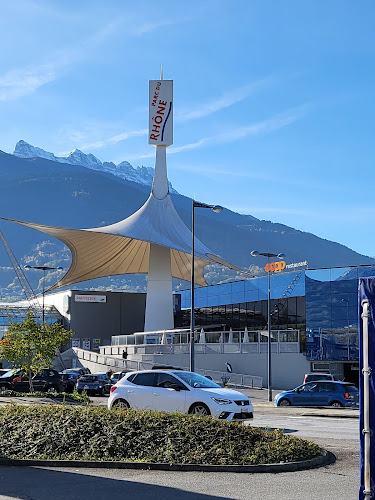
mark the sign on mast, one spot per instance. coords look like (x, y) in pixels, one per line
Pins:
(160, 123)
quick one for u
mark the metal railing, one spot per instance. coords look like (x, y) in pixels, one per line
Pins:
(247, 348)
(116, 364)
(238, 340)
(234, 379)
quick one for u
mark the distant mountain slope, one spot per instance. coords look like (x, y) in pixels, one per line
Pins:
(70, 195)
(124, 170)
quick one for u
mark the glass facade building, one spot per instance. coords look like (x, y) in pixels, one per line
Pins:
(321, 304)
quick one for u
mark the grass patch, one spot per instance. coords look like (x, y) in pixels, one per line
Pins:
(57, 396)
(93, 433)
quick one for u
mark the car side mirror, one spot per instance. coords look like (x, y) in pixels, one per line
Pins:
(176, 387)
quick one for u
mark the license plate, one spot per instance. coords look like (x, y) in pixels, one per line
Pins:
(244, 410)
(86, 387)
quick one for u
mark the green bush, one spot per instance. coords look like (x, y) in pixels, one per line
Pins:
(93, 433)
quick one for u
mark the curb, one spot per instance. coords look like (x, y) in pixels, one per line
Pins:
(328, 416)
(326, 458)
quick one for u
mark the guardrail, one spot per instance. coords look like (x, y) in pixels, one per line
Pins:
(234, 379)
(251, 348)
(116, 364)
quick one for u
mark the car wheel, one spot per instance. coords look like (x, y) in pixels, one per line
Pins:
(199, 409)
(284, 402)
(121, 403)
(53, 389)
(336, 404)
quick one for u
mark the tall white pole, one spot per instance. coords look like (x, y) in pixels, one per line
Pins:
(44, 280)
(159, 301)
(192, 289)
(269, 332)
(367, 494)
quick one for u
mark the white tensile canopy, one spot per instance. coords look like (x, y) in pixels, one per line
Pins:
(124, 247)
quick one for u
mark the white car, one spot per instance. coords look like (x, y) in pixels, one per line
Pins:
(175, 390)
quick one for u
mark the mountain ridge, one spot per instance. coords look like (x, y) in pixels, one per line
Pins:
(123, 170)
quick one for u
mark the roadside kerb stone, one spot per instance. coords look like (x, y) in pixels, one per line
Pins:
(326, 458)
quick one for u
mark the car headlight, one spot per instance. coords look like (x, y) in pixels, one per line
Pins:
(221, 401)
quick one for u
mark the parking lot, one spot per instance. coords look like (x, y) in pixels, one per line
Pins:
(333, 429)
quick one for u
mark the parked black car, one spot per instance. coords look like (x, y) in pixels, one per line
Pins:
(6, 380)
(92, 384)
(48, 380)
(69, 381)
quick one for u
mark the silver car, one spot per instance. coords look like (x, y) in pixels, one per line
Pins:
(179, 391)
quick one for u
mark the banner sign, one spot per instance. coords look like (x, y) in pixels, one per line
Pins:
(90, 298)
(275, 266)
(367, 293)
(160, 122)
(76, 343)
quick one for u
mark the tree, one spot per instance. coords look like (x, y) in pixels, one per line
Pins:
(31, 346)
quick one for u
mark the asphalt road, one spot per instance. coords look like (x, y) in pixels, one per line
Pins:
(340, 480)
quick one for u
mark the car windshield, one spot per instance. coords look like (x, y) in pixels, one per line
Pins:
(310, 378)
(195, 380)
(10, 372)
(350, 388)
(88, 378)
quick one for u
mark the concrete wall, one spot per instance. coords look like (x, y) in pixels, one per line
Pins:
(288, 369)
(121, 314)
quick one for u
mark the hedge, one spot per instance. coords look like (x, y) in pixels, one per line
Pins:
(94, 433)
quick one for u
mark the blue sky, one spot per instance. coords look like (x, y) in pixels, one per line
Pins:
(273, 101)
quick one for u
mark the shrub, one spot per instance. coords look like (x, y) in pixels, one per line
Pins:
(93, 433)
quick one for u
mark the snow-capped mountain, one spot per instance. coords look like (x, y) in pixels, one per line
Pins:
(124, 170)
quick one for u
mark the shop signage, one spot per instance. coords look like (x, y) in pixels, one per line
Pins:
(275, 266)
(90, 298)
(297, 264)
(160, 122)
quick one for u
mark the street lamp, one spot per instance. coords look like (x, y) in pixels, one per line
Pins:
(255, 253)
(216, 209)
(347, 317)
(44, 269)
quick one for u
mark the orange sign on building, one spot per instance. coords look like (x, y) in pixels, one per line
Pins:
(275, 266)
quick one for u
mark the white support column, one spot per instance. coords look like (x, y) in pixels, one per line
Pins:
(159, 302)
(160, 187)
